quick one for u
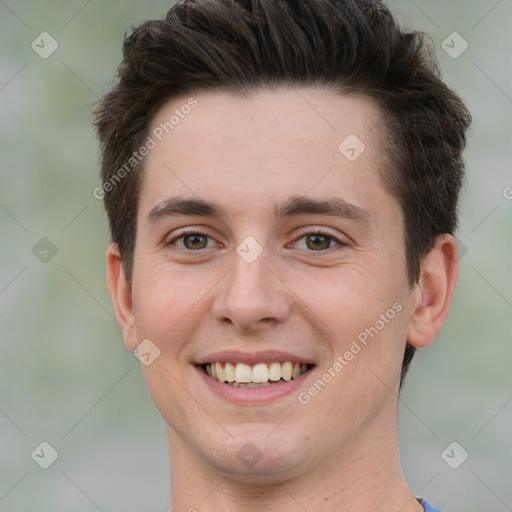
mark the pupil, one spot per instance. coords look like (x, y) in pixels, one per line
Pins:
(194, 239)
(318, 242)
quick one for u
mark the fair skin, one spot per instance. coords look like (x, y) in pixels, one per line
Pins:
(308, 296)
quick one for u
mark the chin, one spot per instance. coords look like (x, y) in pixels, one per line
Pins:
(254, 456)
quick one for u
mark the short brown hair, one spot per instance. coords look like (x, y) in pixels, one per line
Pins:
(351, 46)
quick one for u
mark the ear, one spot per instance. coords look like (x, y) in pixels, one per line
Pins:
(121, 294)
(433, 291)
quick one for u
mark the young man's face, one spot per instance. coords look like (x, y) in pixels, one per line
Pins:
(304, 262)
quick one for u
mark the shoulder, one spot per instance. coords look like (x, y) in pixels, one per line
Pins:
(427, 506)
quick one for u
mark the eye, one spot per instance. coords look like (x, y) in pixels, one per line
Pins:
(318, 241)
(192, 240)
(314, 241)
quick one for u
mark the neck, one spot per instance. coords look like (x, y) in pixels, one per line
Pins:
(362, 475)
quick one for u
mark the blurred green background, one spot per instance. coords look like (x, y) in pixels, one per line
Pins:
(66, 377)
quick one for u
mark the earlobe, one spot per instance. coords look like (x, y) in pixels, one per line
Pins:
(433, 291)
(121, 295)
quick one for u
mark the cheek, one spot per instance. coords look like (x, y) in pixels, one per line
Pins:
(164, 297)
(349, 298)
(367, 323)
(361, 313)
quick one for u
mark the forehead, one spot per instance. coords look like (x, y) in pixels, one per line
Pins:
(266, 147)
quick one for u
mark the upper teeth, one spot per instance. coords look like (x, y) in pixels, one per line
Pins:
(258, 373)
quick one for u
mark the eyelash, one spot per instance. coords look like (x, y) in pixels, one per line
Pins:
(305, 234)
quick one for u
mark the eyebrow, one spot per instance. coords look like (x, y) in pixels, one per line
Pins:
(295, 206)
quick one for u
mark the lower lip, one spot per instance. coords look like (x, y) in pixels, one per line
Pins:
(252, 395)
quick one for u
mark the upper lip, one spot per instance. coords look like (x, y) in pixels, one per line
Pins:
(266, 356)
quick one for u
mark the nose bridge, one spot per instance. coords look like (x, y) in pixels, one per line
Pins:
(251, 293)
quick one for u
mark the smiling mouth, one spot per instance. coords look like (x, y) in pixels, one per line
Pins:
(257, 375)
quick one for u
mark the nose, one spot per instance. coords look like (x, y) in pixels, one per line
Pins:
(251, 297)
